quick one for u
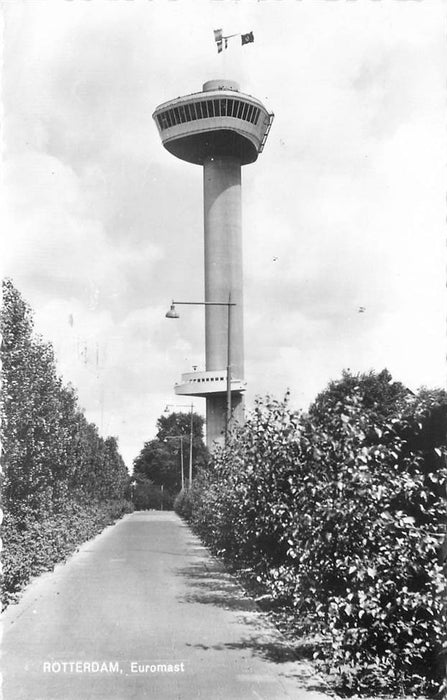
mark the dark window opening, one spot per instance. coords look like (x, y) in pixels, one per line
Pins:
(169, 117)
(176, 115)
(206, 109)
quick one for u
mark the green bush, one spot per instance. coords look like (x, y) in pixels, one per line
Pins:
(183, 505)
(339, 514)
(32, 546)
(150, 496)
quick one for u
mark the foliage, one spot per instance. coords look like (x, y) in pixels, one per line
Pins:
(378, 394)
(184, 503)
(32, 546)
(149, 496)
(340, 514)
(178, 423)
(160, 459)
(55, 464)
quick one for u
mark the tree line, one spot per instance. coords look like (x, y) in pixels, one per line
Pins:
(61, 481)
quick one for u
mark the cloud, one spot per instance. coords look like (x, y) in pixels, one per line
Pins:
(57, 240)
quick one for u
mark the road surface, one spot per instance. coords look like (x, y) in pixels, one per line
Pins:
(144, 611)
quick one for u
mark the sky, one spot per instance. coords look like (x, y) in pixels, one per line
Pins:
(343, 212)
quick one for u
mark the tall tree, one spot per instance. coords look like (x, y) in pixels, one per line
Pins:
(160, 458)
(178, 423)
(49, 450)
(377, 392)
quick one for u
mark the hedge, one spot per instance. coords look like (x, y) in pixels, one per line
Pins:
(61, 481)
(339, 513)
(32, 546)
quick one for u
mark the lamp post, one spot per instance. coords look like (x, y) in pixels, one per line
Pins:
(172, 313)
(180, 437)
(191, 434)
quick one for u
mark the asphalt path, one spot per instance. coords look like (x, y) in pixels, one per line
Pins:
(144, 611)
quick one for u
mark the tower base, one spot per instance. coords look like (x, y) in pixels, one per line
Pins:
(216, 417)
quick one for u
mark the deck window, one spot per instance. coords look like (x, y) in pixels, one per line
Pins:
(182, 112)
(205, 109)
(169, 118)
(176, 115)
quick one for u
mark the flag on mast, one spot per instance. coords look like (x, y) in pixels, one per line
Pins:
(222, 41)
(247, 38)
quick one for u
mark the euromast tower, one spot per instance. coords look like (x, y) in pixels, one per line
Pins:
(220, 129)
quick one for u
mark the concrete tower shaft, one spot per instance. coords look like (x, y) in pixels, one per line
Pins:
(223, 280)
(221, 129)
(223, 261)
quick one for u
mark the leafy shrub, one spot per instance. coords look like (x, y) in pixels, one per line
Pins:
(340, 514)
(150, 496)
(183, 504)
(32, 546)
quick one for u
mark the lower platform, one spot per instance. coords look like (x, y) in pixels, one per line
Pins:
(206, 383)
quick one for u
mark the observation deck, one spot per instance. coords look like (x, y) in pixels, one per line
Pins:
(219, 121)
(206, 383)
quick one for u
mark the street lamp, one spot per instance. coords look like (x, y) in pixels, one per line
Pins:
(172, 313)
(179, 437)
(190, 434)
